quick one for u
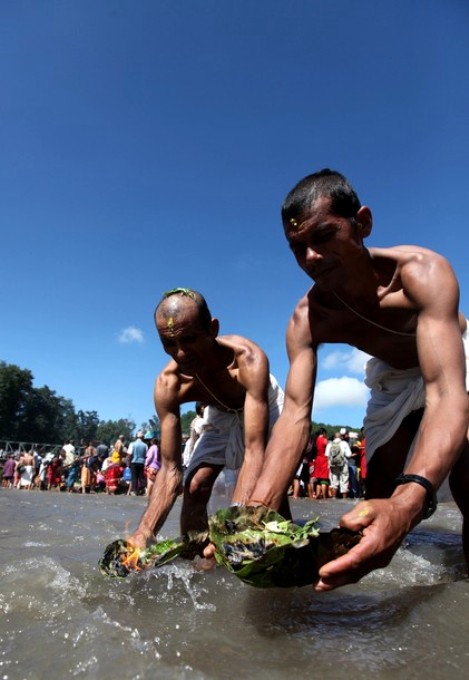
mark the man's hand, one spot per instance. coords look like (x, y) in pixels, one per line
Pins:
(142, 538)
(384, 523)
(209, 551)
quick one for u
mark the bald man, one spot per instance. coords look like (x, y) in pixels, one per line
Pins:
(231, 375)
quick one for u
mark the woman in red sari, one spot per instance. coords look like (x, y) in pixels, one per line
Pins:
(321, 467)
(54, 473)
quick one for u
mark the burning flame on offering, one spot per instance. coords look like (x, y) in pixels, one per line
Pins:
(130, 560)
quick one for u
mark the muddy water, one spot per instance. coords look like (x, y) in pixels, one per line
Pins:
(60, 618)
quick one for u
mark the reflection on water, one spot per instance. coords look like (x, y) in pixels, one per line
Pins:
(60, 615)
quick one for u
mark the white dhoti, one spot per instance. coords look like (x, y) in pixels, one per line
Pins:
(27, 475)
(395, 393)
(222, 440)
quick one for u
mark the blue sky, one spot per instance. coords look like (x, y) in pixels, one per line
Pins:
(148, 145)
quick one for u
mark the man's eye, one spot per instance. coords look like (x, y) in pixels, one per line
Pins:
(323, 236)
(297, 249)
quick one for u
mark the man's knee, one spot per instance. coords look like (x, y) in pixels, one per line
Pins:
(200, 483)
(195, 488)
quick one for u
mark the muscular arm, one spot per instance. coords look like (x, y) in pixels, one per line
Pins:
(441, 354)
(254, 375)
(291, 431)
(433, 290)
(168, 481)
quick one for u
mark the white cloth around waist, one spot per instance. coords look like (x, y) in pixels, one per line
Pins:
(395, 393)
(222, 440)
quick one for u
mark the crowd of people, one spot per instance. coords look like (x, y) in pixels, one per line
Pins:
(121, 469)
(331, 468)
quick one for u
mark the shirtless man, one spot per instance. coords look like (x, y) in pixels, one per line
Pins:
(401, 306)
(231, 375)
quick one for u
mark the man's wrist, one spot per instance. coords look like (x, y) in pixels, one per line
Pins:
(431, 501)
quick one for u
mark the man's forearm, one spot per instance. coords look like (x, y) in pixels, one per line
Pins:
(282, 457)
(441, 437)
(162, 498)
(248, 475)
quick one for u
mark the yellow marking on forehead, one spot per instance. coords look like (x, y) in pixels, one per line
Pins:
(294, 224)
(170, 324)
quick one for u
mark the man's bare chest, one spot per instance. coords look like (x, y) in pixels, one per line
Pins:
(386, 331)
(221, 389)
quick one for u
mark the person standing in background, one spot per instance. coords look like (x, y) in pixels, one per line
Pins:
(152, 464)
(137, 453)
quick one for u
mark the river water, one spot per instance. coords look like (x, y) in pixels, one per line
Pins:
(61, 618)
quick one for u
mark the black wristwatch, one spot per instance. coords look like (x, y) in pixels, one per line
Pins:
(432, 501)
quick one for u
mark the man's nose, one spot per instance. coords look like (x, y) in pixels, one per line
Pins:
(312, 255)
(180, 352)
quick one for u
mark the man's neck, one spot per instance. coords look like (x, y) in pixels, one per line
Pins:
(219, 360)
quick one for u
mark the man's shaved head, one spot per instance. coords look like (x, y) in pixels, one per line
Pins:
(178, 300)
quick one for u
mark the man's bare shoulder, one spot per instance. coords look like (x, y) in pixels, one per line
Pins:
(302, 309)
(399, 249)
(299, 327)
(250, 363)
(242, 347)
(170, 374)
(416, 268)
(406, 254)
(171, 385)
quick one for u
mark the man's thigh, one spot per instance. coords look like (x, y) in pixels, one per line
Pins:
(389, 460)
(459, 480)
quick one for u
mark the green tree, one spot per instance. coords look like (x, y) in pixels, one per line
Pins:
(109, 430)
(16, 385)
(43, 416)
(87, 425)
(69, 423)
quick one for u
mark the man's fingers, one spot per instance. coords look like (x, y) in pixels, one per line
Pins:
(209, 551)
(359, 517)
(329, 583)
(351, 567)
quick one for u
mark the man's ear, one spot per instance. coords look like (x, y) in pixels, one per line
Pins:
(214, 327)
(364, 221)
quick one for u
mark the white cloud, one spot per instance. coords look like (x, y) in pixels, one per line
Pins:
(129, 335)
(343, 391)
(352, 361)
